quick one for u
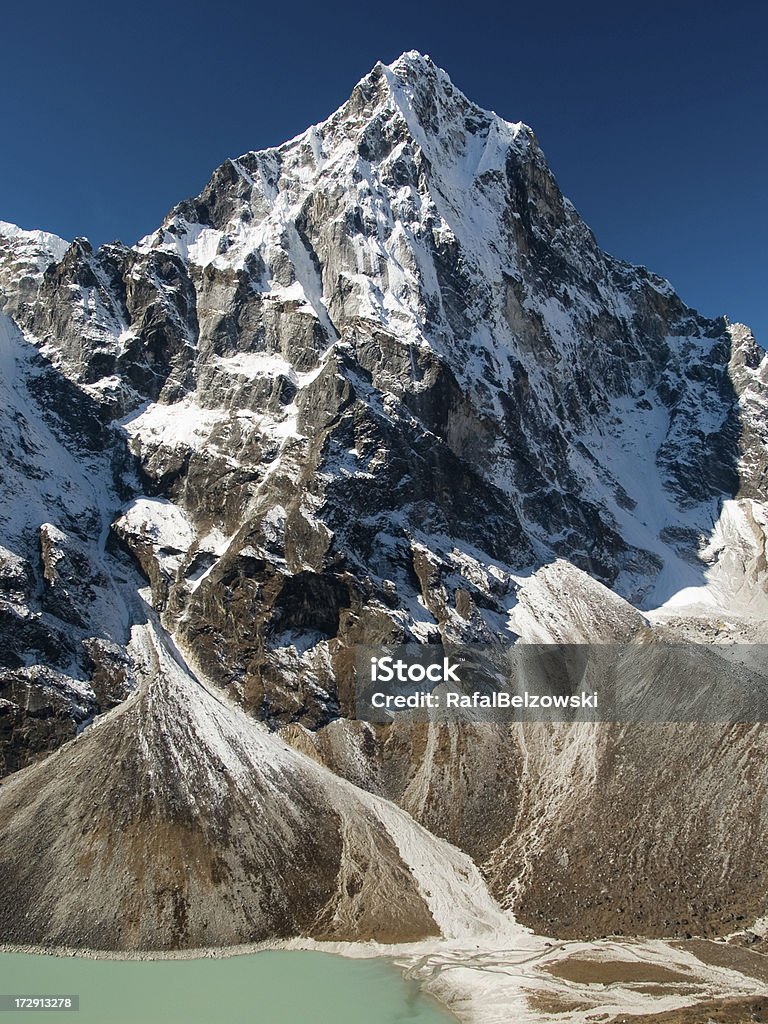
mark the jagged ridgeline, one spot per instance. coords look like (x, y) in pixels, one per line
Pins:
(378, 385)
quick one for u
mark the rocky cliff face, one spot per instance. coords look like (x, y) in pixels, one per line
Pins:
(379, 384)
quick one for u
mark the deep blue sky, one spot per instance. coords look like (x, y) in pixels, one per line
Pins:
(654, 115)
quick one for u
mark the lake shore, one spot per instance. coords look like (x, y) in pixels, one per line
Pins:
(492, 982)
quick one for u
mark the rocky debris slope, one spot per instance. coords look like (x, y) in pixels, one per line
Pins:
(178, 821)
(636, 828)
(376, 385)
(591, 829)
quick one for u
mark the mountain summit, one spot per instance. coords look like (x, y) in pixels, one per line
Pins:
(376, 385)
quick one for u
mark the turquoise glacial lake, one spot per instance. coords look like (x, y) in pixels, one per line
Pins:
(272, 987)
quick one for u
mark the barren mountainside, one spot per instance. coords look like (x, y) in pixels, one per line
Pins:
(376, 385)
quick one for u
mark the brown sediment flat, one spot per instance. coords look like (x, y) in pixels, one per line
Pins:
(550, 1002)
(668, 990)
(721, 954)
(609, 972)
(714, 1011)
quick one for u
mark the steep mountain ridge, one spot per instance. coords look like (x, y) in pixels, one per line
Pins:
(376, 385)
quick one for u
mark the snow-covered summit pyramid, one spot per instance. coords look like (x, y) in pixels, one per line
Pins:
(392, 341)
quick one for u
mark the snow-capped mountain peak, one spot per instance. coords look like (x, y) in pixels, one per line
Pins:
(24, 256)
(376, 385)
(419, 247)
